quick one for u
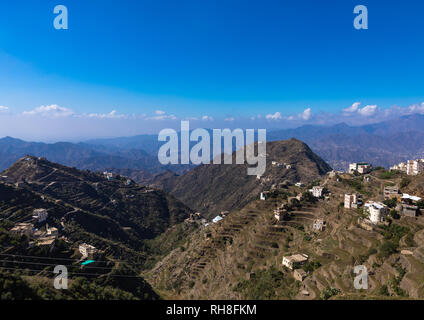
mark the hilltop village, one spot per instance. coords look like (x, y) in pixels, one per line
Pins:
(297, 239)
(308, 237)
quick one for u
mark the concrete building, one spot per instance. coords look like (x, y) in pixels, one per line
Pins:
(391, 192)
(23, 228)
(414, 167)
(40, 215)
(360, 167)
(87, 250)
(319, 225)
(399, 167)
(52, 231)
(299, 274)
(409, 210)
(377, 211)
(279, 214)
(352, 201)
(295, 261)
(316, 191)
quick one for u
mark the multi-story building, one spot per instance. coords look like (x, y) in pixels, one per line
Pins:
(295, 261)
(40, 215)
(352, 201)
(87, 250)
(377, 211)
(391, 192)
(360, 167)
(414, 167)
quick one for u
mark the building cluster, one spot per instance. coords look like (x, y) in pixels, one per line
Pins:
(279, 164)
(108, 175)
(38, 237)
(294, 263)
(360, 167)
(411, 167)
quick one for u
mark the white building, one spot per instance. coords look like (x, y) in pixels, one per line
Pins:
(352, 201)
(299, 184)
(360, 167)
(377, 211)
(263, 197)
(400, 167)
(294, 261)
(108, 175)
(87, 250)
(217, 219)
(414, 167)
(316, 191)
(319, 225)
(40, 215)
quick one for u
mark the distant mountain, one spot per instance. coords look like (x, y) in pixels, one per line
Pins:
(214, 188)
(382, 144)
(83, 156)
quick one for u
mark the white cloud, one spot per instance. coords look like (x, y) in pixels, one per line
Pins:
(417, 108)
(275, 116)
(352, 108)
(229, 119)
(111, 115)
(207, 118)
(306, 114)
(4, 109)
(367, 111)
(161, 115)
(52, 111)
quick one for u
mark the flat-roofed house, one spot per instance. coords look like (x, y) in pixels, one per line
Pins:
(360, 167)
(319, 225)
(295, 261)
(414, 167)
(40, 215)
(391, 192)
(87, 250)
(23, 228)
(352, 201)
(377, 211)
(299, 274)
(316, 191)
(409, 210)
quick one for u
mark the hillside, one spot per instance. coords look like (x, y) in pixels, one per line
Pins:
(114, 210)
(214, 188)
(241, 256)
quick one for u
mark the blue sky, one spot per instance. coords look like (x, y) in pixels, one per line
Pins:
(129, 67)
